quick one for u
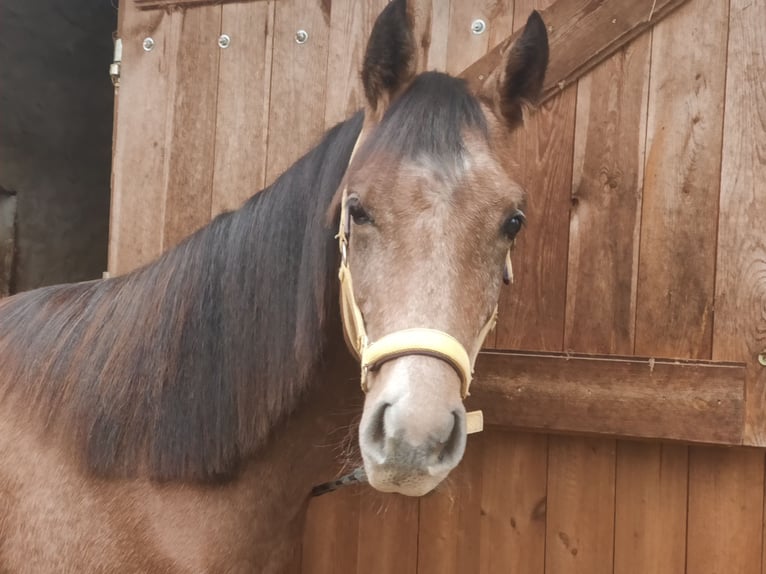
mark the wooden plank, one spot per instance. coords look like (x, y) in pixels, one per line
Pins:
(7, 241)
(650, 508)
(143, 116)
(580, 506)
(606, 203)
(449, 534)
(190, 146)
(330, 535)
(388, 534)
(244, 80)
(603, 255)
(463, 46)
(513, 503)
(740, 321)
(629, 397)
(677, 266)
(725, 510)
(531, 311)
(174, 4)
(582, 33)
(296, 120)
(350, 26)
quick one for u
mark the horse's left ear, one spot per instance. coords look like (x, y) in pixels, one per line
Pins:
(518, 80)
(390, 61)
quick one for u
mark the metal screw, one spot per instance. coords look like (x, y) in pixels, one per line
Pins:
(224, 41)
(148, 44)
(762, 358)
(301, 36)
(478, 26)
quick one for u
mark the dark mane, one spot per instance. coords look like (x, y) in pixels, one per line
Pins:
(183, 367)
(428, 119)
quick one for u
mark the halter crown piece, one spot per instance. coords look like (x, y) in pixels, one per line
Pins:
(416, 341)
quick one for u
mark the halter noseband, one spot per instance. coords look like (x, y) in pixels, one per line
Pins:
(416, 341)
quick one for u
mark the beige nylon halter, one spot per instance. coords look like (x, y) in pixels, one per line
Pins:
(416, 341)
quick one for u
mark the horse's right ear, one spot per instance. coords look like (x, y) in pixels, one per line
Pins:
(390, 62)
(518, 80)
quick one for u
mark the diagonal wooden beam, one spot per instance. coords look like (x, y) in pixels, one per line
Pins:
(581, 33)
(153, 4)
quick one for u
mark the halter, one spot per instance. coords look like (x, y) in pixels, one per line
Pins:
(415, 341)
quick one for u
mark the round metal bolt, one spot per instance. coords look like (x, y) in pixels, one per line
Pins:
(762, 358)
(148, 44)
(478, 26)
(224, 41)
(301, 36)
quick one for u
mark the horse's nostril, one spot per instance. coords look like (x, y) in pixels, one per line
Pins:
(453, 447)
(377, 427)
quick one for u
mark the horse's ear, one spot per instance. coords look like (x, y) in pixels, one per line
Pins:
(518, 80)
(390, 61)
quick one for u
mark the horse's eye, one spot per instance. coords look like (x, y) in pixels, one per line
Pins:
(513, 225)
(357, 212)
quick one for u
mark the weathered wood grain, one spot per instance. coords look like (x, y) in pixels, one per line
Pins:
(449, 533)
(298, 81)
(740, 313)
(143, 117)
(190, 143)
(171, 4)
(580, 520)
(650, 508)
(681, 185)
(725, 511)
(244, 82)
(388, 534)
(7, 240)
(532, 310)
(603, 248)
(629, 397)
(350, 26)
(582, 33)
(463, 46)
(331, 532)
(606, 203)
(513, 503)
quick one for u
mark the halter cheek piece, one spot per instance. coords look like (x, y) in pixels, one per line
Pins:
(416, 341)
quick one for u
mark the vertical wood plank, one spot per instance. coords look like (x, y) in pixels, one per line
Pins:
(603, 266)
(190, 145)
(650, 508)
(350, 26)
(677, 263)
(513, 503)
(388, 534)
(463, 46)
(7, 241)
(298, 81)
(142, 118)
(438, 13)
(330, 535)
(606, 203)
(449, 534)
(579, 533)
(725, 510)
(531, 311)
(244, 80)
(740, 320)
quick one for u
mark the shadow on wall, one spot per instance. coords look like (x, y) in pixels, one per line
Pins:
(56, 105)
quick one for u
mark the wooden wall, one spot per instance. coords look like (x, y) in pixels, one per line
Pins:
(647, 237)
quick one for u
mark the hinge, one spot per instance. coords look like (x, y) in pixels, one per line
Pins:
(114, 68)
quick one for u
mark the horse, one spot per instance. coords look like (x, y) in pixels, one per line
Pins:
(175, 418)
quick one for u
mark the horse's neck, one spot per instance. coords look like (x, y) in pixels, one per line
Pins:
(272, 493)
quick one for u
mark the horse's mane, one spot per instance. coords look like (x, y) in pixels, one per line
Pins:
(180, 369)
